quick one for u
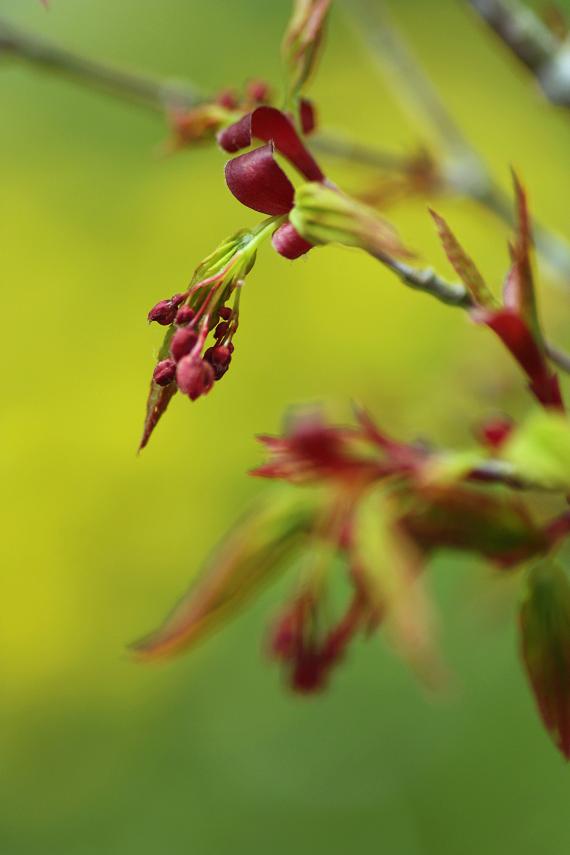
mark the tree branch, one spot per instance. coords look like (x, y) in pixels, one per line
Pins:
(151, 92)
(454, 294)
(545, 55)
(463, 169)
(461, 176)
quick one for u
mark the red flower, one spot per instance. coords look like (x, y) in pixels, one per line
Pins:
(257, 180)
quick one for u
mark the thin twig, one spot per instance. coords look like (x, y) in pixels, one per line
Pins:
(528, 38)
(151, 92)
(454, 294)
(463, 169)
(461, 176)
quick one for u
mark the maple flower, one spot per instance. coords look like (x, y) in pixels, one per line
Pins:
(202, 322)
(256, 179)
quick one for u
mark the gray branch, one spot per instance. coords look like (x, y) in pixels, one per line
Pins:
(545, 55)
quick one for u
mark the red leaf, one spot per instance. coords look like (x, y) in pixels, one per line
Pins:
(519, 340)
(258, 182)
(271, 125)
(518, 291)
(307, 116)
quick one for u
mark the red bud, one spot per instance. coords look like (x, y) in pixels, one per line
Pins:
(194, 377)
(164, 311)
(185, 315)
(182, 342)
(165, 372)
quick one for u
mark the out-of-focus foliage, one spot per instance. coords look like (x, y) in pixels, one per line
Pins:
(209, 753)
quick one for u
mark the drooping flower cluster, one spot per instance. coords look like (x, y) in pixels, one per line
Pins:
(198, 346)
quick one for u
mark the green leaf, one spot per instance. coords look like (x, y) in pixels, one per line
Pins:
(388, 564)
(545, 647)
(540, 451)
(463, 265)
(253, 553)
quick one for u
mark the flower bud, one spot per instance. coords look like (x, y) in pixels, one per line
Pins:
(221, 330)
(219, 357)
(227, 98)
(165, 372)
(185, 315)
(225, 313)
(289, 243)
(182, 342)
(164, 311)
(194, 376)
(325, 215)
(258, 91)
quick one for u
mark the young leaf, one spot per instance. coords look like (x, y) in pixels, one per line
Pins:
(463, 265)
(519, 339)
(302, 40)
(540, 451)
(545, 647)
(473, 520)
(519, 292)
(325, 215)
(159, 397)
(388, 565)
(251, 555)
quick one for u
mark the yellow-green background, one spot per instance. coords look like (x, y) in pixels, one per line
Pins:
(209, 754)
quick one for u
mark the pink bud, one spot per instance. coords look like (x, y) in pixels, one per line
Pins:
(194, 377)
(225, 313)
(185, 315)
(182, 342)
(165, 372)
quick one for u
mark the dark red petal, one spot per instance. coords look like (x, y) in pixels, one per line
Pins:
(258, 182)
(307, 116)
(236, 136)
(271, 125)
(288, 242)
(268, 123)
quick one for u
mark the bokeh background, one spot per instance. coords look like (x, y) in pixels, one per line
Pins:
(209, 754)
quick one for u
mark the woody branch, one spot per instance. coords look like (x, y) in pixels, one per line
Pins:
(465, 175)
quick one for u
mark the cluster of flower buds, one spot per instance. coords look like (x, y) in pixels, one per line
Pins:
(194, 371)
(198, 345)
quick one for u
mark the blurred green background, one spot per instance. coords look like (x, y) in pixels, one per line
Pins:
(209, 754)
